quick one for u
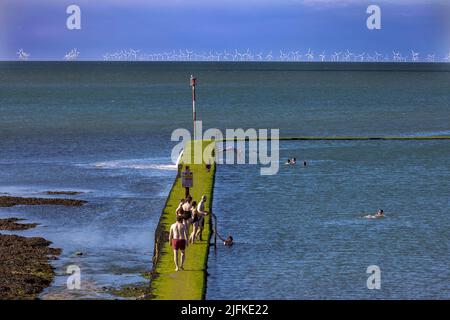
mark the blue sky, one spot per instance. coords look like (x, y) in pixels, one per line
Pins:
(39, 26)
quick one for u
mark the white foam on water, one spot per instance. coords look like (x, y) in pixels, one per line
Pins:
(138, 164)
(427, 133)
(38, 191)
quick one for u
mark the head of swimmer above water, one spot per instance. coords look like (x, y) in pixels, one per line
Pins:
(228, 241)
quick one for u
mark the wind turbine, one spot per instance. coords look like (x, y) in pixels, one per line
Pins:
(189, 55)
(245, 56)
(259, 56)
(309, 56)
(23, 56)
(414, 56)
(218, 55)
(347, 56)
(322, 56)
(447, 58)
(333, 57)
(360, 56)
(293, 55)
(226, 55)
(134, 53)
(210, 56)
(402, 58)
(72, 55)
(431, 57)
(396, 56)
(249, 55)
(121, 55)
(126, 55)
(378, 56)
(336, 56)
(238, 55)
(173, 56)
(288, 57)
(370, 58)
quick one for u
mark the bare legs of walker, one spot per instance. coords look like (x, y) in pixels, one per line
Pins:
(198, 235)
(175, 259)
(193, 234)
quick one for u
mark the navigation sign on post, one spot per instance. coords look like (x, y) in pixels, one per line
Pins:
(187, 180)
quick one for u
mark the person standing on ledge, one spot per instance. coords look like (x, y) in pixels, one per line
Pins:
(177, 238)
(194, 222)
(201, 218)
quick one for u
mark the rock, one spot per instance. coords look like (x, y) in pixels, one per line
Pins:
(66, 193)
(12, 225)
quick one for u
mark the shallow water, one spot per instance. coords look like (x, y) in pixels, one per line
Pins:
(104, 129)
(114, 231)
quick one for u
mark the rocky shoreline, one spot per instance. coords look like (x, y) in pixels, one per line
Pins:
(25, 268)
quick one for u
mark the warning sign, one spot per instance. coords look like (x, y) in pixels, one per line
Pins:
(187, 179)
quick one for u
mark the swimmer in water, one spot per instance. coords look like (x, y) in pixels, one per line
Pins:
(294, 161)
(228, 242)
(288, 162)
(379, 214)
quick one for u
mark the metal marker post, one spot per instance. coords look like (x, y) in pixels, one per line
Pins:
(193, 82)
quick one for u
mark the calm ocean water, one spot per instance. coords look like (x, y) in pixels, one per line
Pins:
(104, 129)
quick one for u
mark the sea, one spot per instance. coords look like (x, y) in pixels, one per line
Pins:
(104, 129)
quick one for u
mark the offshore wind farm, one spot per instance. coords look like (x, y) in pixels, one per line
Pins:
(248, 55)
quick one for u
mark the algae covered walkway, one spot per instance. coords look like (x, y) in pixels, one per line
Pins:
(190, 284)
